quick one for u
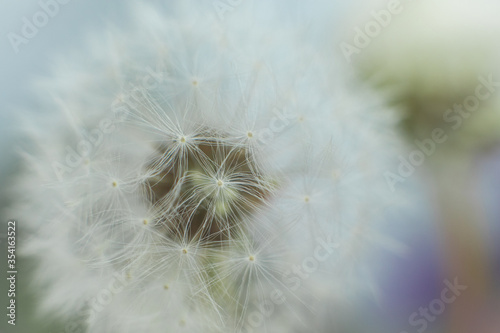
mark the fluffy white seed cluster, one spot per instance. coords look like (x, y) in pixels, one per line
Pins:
(203, 172)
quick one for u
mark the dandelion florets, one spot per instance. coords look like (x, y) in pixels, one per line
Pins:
(180, 195)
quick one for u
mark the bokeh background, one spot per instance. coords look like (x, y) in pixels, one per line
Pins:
(424, 58)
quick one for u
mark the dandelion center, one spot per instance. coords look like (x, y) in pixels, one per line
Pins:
(186, 184)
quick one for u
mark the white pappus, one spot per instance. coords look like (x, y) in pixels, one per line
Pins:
(205, 173)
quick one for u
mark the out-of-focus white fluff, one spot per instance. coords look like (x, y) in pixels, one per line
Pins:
(232, 81)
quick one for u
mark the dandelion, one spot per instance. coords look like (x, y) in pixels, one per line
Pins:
(219, 179)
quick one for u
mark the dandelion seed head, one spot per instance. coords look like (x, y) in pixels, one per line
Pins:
(180, 190)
